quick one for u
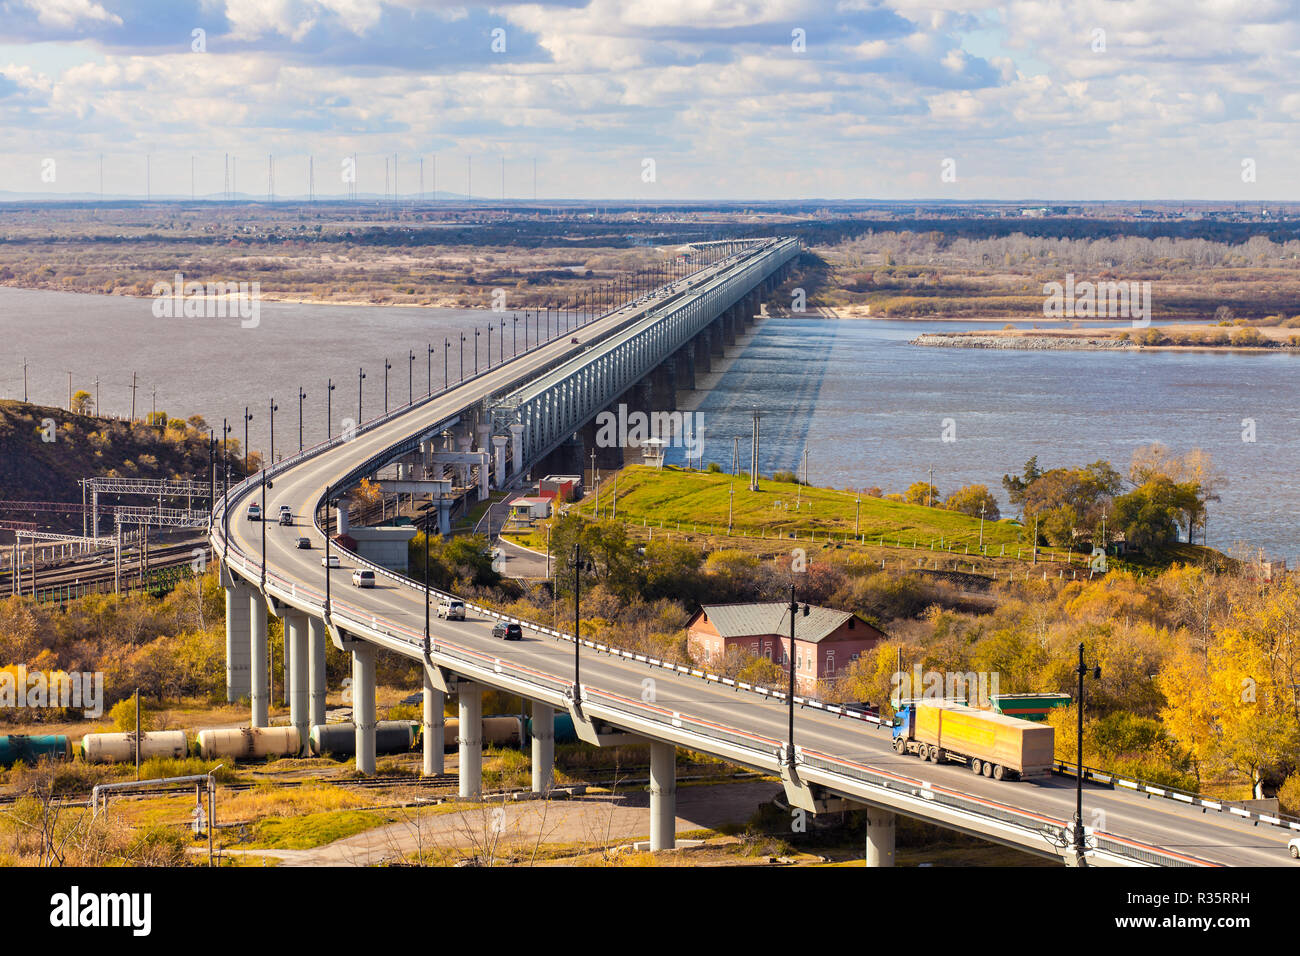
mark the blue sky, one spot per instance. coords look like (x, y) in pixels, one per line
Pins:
(735, 99)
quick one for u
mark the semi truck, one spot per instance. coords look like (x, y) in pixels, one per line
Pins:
(991, 744)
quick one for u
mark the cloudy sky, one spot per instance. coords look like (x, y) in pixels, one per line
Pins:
(658, 99)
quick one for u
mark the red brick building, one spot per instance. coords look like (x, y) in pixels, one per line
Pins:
(827, 641)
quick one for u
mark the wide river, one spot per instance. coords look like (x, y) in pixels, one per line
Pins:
(869, 408)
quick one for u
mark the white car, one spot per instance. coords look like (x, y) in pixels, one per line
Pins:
(1294, 848)
(254, 512)
(363, 578)
(332, 561)
(451, 609)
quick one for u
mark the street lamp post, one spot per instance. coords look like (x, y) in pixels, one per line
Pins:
(248, 417)
(387, 366)
(429, 362)
(462, 357)
(1080, 844)
(410, 380)
(302, 396)
(361, 377)
(329, 408)
(274, 408)
(265, 484)
(794, 609)
(476, 334)
(426, 588)
(328, 504)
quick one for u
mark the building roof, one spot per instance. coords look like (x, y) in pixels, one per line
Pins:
(529, 500)
(752, 620)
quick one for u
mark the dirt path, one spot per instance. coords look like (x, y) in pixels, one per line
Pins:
(516, 827)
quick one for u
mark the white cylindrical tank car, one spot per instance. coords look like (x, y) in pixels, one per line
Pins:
(242, 743)
(112, 748)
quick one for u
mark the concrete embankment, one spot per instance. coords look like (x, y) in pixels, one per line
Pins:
(1028, 342)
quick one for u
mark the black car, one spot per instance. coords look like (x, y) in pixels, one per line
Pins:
(507, 632)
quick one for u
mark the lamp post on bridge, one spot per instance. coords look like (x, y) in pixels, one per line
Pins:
(476, 334)
(274, 408)
(387, 366)
(462, 356)
(1080, 843)
(410, 380)
(248, 417)
(790, 658)
(361, 377)
(301, 398)
(329, 408)
(265, 484)
(429, 362)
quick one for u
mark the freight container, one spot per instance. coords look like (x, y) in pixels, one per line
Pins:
(991, 744)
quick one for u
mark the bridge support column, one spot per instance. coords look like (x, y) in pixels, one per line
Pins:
(237, 640)
(880, 836)
(470, 731)
(259, 693)
(716, 349)
(434, 727)
(363, 704)
(543, 747)
(295, 649)
(315, 672)
(686, 368)
(703, 352)
(663, 796)
(499, 457)
(444, 516)
(517, 446)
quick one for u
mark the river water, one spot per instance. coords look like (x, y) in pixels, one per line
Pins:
(869, 408)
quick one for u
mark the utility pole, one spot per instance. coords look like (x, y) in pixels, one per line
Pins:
(929, 489)
(133, 388)
(753, 457)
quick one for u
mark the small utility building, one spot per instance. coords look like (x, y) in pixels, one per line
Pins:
(827, 641)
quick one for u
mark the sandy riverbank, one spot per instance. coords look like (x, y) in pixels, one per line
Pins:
(1170, 338)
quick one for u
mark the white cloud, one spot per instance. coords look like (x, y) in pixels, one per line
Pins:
(65, 14)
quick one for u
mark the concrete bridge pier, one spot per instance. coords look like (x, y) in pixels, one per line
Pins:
(717, 349)
(727, 325)
(881, 825)
(463, 442)
(686, 368)
(363, 704)
(517, 447)
(238, 636)
(470, 730)
(259, 694)
(703, 351)
(499, 459)
(663, 387)
(315, 671)
(295, 649)
(663, 796)
(543, 747)
(434, 727)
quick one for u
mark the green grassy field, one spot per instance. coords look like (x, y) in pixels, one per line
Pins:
(698, 500)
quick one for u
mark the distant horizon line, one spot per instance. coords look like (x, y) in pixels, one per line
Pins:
(442, 196)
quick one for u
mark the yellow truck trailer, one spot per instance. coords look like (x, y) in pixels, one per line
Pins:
(990, 743)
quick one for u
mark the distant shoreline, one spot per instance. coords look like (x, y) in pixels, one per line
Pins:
(1272, 339)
